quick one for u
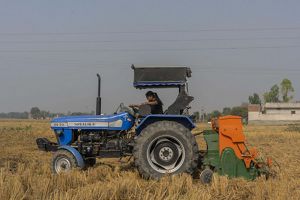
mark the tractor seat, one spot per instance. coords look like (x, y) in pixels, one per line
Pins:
(181, 103)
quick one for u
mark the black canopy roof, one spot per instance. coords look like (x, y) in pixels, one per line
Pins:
(156, 77)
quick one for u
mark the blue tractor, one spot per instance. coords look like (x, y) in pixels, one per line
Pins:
(159, 143)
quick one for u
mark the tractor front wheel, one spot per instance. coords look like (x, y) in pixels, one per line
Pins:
(165, 147)
(63, 161)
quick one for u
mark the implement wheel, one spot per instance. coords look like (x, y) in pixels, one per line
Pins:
(206, 176)
(165, 147)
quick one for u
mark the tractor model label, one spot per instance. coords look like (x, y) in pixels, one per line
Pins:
(114, 124)
(79, 124)
(89, 124)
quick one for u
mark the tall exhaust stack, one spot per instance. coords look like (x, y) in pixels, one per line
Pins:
(98, 103)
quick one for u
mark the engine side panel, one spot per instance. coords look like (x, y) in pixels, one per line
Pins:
(64, 127)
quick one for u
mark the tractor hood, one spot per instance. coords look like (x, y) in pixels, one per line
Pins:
(121, 121)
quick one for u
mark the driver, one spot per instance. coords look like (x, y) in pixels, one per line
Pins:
(153, 101)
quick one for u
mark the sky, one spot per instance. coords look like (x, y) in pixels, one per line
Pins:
(50, 51)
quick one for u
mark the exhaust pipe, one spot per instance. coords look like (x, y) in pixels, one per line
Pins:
(98, 103)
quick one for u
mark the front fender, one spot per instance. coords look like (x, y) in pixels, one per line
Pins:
(182, 119)
(76, 154)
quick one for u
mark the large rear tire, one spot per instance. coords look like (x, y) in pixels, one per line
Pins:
(165, 147)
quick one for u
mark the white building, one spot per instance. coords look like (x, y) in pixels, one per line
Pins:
(274, 112)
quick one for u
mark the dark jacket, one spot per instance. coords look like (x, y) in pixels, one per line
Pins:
(157, 109)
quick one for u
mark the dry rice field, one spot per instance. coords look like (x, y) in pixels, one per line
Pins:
(25, 171)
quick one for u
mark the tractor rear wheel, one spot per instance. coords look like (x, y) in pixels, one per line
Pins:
(165, 147)
(63, 161)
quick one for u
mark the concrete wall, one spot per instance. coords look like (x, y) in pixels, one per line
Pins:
(282, 111)
(275, 112)
(282, 105)
(252, 116)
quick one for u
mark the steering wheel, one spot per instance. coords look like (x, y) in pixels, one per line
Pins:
(123, 108)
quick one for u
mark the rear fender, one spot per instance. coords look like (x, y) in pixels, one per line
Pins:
(76, 154)
(182, 119)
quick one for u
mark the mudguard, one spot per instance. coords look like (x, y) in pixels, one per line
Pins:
(76, 154)
(182, 119)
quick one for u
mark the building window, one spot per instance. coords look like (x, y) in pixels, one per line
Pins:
(293, 112)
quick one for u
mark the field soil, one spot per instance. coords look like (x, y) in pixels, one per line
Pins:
(25, 171)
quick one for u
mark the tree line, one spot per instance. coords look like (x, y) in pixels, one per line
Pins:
(14, 115)
(37, 113)
(241, 110)
(277, 93)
